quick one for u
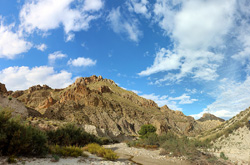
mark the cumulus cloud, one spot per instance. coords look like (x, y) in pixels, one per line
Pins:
(41, 47)
(198, 30)
(230, 98)
(121, 25)
(44, 15)
(11, 44)
(54, 56)
(139, 7)
(81, 61)
(20, 78)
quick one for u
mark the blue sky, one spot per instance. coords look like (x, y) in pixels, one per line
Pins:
(192, 55)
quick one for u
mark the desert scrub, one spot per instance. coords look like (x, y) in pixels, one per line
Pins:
(71, 135)
(71, 151)
(98, 150)
(16, 138)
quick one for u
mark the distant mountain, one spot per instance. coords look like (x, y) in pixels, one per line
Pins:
(209, 116)
(102, 107)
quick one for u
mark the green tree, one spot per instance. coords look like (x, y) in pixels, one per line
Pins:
(146, 130)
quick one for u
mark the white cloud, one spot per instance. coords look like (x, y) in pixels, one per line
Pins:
(231, 98)
(124, 26)
(93, 5)
(165, 60)
(70, 37)
(136, 91)
(171, 102)
(20, 78)
(139, 7)
(44, 15)
(81, 61)
(198, 30)
(56, 55)
(183, 99)
(41, 47)
(191, 91)
(11, 44)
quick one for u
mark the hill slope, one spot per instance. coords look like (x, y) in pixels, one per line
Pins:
(101, 105)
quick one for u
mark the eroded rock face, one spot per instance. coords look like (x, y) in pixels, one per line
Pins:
(3, 89)
(104, 108)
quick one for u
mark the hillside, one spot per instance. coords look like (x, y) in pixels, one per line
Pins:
(100, 106)
(232, 138)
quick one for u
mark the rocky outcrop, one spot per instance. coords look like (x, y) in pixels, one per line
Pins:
(3, 89)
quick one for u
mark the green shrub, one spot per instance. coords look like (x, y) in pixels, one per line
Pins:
(146, 130)
(18, 139)
(71, 135)
(10, 98)
(223, 156)
(11, 159)
(71, 151)
(102, 152)
(56, 158)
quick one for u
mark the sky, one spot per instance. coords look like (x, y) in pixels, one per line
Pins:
(191, 55)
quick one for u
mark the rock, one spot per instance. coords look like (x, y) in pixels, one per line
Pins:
(105, 89)
(3, 89)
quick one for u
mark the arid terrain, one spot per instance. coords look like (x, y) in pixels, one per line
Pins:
(100, 107)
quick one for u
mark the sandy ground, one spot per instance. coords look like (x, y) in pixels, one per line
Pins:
(236, 146)
(143, 156)
(91, 160)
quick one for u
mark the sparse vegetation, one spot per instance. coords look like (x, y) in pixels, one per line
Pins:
(102, 152)
(71, 135)
(16, 138)
(71, 151)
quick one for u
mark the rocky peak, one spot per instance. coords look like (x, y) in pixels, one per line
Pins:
(3, 88)
(38, 87)
(209, 116)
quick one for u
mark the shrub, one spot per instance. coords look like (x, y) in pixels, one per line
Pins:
(102, 152)
(146, 130)
(55, 158)
(10, 98)
(11, 159)
(223, 156)
(71, 135)
(18, 139)
(71, 151)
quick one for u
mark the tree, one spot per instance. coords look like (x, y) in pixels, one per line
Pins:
(146, 130)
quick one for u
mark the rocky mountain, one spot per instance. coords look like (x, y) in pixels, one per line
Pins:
(209, 116)
(102, 107)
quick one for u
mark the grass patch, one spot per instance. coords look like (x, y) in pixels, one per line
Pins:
(67, 151)
(98, 150)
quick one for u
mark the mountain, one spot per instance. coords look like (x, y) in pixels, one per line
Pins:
(102, 107)
(209, 121)
(232, 138)
(209, 116)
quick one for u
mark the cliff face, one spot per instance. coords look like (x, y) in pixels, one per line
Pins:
(98, 102)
